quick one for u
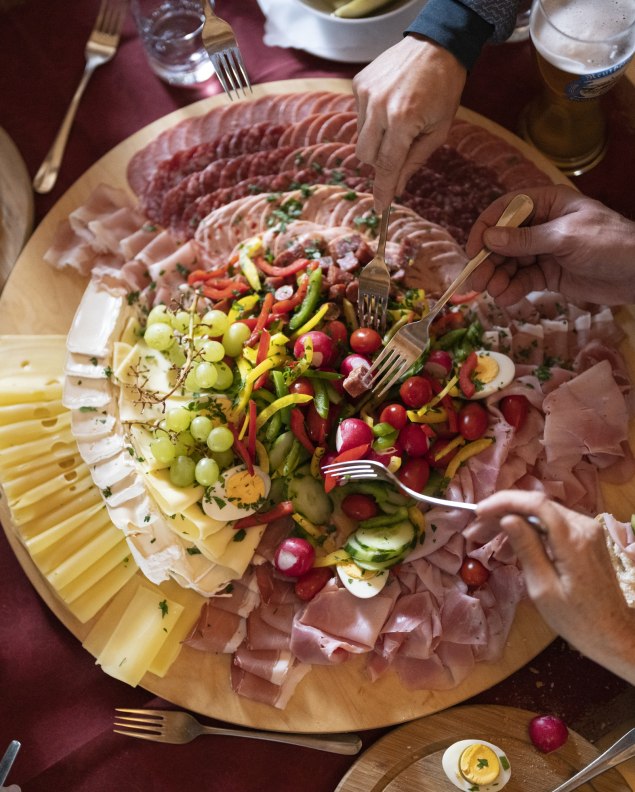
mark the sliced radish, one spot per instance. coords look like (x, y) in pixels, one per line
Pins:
(294, 556)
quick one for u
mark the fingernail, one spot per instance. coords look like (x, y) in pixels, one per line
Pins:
(496, 236)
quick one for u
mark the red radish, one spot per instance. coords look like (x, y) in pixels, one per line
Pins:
(547, 732)
(439, 363)
(312, 582)
(352, 432)
(352, 362)
(294, 556)
(324, 349)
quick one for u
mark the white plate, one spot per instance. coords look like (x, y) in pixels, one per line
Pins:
(16, 205)
(289, 24)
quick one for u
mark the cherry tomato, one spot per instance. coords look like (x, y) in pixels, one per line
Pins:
(414, 473)
(473, 421)
(303, 386)
(452, 320)
(395, 415)
(316, 426)
(307, 586)
(473, 573)
(365, 341)
(415, 392)
(359, 507)
(413, 440)
(337, 331)
(444, 460)
(515, 409)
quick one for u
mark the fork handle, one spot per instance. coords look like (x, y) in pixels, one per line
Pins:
(333, 743)
(46, 176)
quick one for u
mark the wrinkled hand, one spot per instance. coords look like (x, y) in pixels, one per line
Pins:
(574, 245)
(406, 101)
(569, 576)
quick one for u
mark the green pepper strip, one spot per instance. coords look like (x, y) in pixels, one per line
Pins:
(384, 520)
(311, 299)
(321, 398)
(448, 340)
(292, 460)
(274, 427)
(281, 390)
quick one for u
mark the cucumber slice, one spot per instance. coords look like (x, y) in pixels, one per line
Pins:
(395, 539)
(280, 449)
(308, 496)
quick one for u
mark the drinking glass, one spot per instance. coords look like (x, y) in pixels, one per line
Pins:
(582, 48)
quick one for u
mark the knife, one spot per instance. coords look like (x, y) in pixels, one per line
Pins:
(8, 759)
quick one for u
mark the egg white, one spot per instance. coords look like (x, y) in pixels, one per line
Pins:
(506, 373)
(216, 504)
(361, 583)
(450, 763)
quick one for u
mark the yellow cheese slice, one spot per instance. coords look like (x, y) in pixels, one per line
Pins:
(46, 491)
(33, 354)
(59, 531)
(31, 528)
(62, 498)
(87, 555)
(23, 481)
(110, 616)
(82, 578)
(56, 445)
(43, 411)
(90, 603)
(27, 388)
(171, 499)
(55, 555)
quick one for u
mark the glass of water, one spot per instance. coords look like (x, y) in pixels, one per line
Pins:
(171, 34)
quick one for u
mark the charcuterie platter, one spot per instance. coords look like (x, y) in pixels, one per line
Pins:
(39, 300)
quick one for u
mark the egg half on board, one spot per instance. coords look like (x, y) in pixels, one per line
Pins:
(476, 765)
(236, 494)
(494, 371)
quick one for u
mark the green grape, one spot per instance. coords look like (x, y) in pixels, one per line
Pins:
(161, 430)
(184, 443)
(159, 313)
(220, 439)
(200, 428)
(191, 383)
(212, 351)
(215, 322)
(225, 459)
(176, 355)
(235, 337)
(178, 419)
(163, 450)
(182, 471)
(206, 375)
(225, 376)
(206, 471)
(159, 336)
(181, 321)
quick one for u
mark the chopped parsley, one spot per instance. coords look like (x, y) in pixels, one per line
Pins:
(163, 607)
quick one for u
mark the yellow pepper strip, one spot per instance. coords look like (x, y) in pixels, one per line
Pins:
(336, 557)
(246, 251)
(470, 450)
(277, 339)
(279, 404)
(250, 354)
(313, 321)
(243, 429)
(350, 316)
(394, 464)
(266, 365)
(449, 385)
(305, 362)
(240, 307)
(263, 457)
(458, 441)
(366, 416)
(433, 416)
(416, 517)
(315, 462)
(308, 526)
(249, 376)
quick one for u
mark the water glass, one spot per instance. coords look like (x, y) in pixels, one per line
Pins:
(171, 34)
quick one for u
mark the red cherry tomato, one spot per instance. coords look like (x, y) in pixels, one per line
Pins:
(413, 440)
(473, 573)
(442, 461)
(337, 331)
(473, 421)
(395, 415)
(307, 586)
(303, 386)
(359, 507)
(414, 473)
(515, 409)
(415, 392)
(365, 341)
(316, 426)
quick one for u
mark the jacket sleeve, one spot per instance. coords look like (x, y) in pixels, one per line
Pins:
(464, 26)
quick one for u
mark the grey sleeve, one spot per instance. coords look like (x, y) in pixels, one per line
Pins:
(499, 13)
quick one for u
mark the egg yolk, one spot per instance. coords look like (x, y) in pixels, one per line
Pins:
(486, 368)
(245, 488)
(479, 764)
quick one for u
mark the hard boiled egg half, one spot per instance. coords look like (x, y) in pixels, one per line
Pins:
(236, 494)
(476, 765)
(362, 583)
(494, 371)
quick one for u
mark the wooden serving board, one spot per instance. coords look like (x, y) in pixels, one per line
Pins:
(39, 300)
(16, 205)
(409, 758)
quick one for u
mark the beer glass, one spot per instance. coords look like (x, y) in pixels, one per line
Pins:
(582, 48)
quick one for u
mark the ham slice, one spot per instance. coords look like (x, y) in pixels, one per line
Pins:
(256, 688)
(217, 630)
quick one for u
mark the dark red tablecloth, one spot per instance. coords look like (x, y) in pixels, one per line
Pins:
(52, 696)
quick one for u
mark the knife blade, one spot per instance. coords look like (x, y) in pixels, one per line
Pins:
(8, 759)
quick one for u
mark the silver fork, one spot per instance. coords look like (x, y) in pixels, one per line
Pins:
(410, 341)
(170, 726)
(374, 284)
(619, 752)
(100, 48)
(220, 42)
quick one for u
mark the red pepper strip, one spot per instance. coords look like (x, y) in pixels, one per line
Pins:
(265, 311)
(284, 306)
(251, 431)
(282, 509)
(241, 450)
(198, 276)
(465, 375)
(452, 417)
(223, 288)
(252, 321)
(330, 481)
(263, 348)
(299, 430)
(291, 269)
(460, 299)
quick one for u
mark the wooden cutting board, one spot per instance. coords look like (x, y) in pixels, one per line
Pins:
(38, 299)
(16, 205)
(409, 758)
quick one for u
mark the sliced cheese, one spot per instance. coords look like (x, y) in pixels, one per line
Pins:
(28, 388)
(58, 532)
(32, 355)
(77, 575)
(171, 499)
(90, 603)
(42, 410)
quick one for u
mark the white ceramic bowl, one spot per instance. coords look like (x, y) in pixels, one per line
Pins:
(362, 39)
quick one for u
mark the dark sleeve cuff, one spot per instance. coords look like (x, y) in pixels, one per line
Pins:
(455, 27)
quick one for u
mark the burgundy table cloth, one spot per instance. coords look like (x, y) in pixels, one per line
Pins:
(52, 696)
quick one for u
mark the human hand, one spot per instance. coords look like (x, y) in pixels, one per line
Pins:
(574, 245)
(406, 101)
(569, 576)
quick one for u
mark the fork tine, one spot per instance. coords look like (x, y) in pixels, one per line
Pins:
(229, 72)
(240, 68)
(147, 728)
(220, 74)
(386, 368)
(155, 713)
(156, 737)
(139, 720)
(385, 384)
